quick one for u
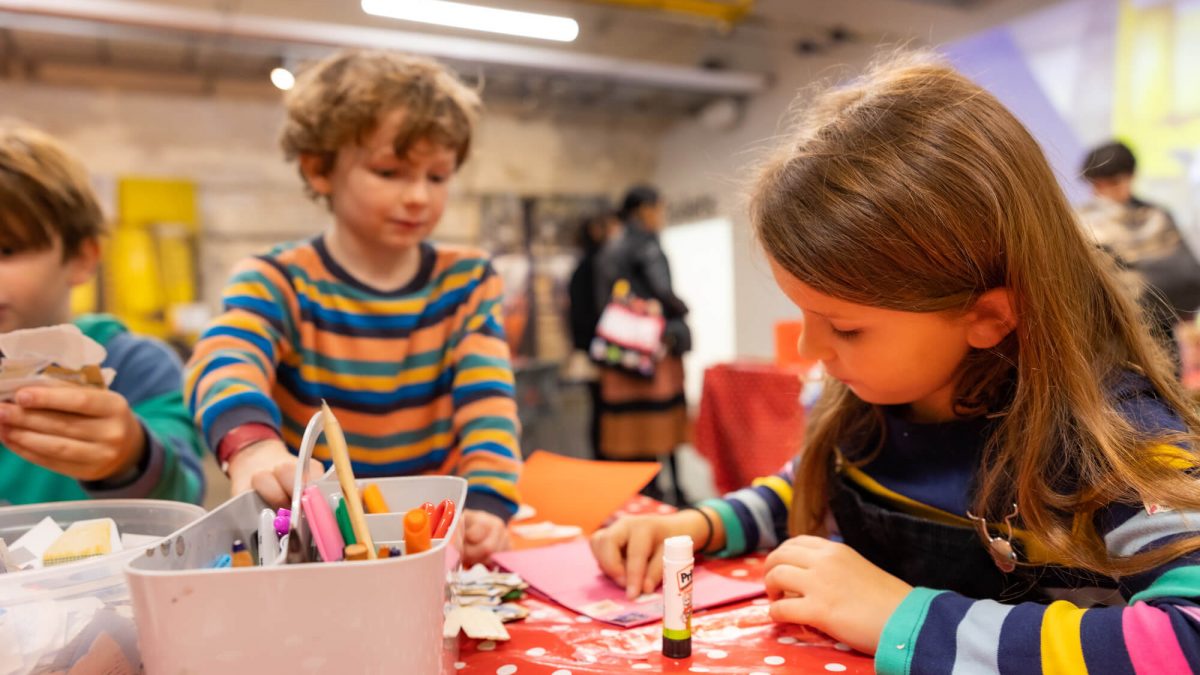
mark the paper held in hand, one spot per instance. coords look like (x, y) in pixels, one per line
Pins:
(53, 354)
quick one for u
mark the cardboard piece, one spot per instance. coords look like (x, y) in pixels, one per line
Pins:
(580, 492)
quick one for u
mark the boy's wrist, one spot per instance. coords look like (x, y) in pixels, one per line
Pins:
(242, 437)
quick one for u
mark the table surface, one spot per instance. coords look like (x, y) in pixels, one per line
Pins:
(737, 638)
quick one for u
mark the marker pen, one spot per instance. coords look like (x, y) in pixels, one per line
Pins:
(677, 597)
(416, 531)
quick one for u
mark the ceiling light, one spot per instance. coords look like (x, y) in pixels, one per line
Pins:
(282, 78)
(474, 17)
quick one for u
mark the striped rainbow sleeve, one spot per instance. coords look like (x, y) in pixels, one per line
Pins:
(488, 451)
(232, 369)
(755, 518)
(1158, 631)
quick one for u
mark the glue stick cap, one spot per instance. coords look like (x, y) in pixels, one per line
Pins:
(678, 548)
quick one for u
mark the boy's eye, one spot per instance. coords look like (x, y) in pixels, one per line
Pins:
(386, 173)
(438, 178)
(7, 252)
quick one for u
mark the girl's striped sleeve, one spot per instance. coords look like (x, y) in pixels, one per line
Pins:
(1158, 631)
(755, 517)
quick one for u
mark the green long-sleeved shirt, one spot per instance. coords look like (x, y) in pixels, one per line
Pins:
(149, 376)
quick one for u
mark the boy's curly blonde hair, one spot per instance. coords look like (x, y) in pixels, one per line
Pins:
(341, 99)
(45, 193)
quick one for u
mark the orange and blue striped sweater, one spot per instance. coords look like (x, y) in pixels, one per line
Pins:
(419, 377)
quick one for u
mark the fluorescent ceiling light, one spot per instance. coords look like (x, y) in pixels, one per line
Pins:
(474, 17)
(282, 78)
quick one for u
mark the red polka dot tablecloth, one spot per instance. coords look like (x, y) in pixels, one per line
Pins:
(738, 638)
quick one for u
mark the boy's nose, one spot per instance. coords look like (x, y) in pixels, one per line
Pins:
(417, 193)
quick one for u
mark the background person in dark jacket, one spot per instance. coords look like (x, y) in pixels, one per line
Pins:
(640, 418)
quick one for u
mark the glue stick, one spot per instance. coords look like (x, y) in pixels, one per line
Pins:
(677, 597)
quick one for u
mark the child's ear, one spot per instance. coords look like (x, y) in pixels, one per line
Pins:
(991, 319)
(81, 268)
(315, 169)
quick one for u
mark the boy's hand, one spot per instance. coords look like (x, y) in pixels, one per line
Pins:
(86, 433)
(630, 550)
(829, 586)
(268, 468)
(483, 534)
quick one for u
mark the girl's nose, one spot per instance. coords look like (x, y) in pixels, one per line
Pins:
(810, 347)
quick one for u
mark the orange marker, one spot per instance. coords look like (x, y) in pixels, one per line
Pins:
(430, 510)
(384, 552)
(373, 499)
(416, 531)
(443, 526)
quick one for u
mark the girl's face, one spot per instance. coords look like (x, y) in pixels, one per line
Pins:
(885, 356)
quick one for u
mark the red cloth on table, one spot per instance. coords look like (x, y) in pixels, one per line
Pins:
(750, 421)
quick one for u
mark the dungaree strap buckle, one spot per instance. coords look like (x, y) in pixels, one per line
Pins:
(1000, 548)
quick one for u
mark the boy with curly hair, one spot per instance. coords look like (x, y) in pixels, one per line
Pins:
(402, 337)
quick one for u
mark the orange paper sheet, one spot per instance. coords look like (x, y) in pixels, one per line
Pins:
(581, 492)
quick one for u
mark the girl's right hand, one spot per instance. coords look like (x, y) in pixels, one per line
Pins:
(630, 550)
(269, 468)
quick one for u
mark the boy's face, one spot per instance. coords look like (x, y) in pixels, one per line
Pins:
(35, 285)
(383, 200)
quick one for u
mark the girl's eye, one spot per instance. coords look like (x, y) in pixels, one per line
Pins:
(385, 173)
(438, 178)
(847, 334)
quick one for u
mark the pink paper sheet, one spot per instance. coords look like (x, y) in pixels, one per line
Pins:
(568, 574)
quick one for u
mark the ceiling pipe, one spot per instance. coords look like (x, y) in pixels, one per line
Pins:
(145, 15)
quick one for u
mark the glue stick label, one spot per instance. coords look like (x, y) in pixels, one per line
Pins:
(677, 604)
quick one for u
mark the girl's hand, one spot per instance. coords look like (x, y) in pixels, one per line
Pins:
(483, 535)
(829, 586)
(630, 550)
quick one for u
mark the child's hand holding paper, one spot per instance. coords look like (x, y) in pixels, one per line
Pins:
(87, 433)
(56, 410)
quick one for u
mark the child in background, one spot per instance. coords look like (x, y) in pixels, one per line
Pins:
(1002, 447)
(400, 336)
(61, 443)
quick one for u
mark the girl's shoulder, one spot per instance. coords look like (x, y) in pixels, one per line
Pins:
(1136, 398)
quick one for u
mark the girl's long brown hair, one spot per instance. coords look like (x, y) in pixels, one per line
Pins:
(914, 189)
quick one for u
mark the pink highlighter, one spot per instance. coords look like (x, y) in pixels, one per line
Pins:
(324, 528)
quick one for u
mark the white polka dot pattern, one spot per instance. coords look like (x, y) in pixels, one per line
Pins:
(774, 660)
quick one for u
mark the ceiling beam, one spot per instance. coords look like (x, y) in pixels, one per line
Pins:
(727, 12)
(154, 17)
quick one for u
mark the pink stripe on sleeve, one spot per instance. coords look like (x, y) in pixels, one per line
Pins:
(1151, 641)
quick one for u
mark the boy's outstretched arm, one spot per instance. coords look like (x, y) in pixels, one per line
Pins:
(232, 370)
